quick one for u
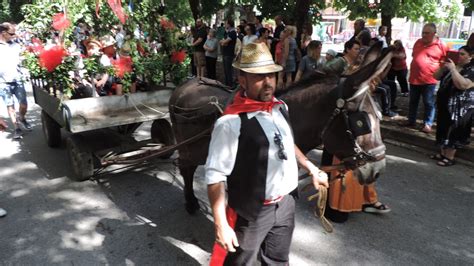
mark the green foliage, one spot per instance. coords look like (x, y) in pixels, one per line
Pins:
(30, 62)
(415, 10)
(38, 18)
(10, 10)
(468, 4)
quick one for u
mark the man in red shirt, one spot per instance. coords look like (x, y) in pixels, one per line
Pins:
(428, 53)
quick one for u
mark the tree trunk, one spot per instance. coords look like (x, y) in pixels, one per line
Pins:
(387, 21)
(195, 8)
(301, 16)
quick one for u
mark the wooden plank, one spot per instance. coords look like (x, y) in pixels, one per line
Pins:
(49, 104)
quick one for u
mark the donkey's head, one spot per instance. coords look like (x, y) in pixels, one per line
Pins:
(352, 133)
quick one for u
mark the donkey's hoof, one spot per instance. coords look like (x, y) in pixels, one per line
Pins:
(192, 207)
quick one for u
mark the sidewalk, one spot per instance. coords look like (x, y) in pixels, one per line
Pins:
(391, 130)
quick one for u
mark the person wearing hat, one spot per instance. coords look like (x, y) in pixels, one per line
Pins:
(330, 55)
(252, 150)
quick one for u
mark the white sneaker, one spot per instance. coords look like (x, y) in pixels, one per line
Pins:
(3, 212)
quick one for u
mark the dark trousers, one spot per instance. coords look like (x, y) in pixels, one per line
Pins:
(427, 92)
(383, 91)
(228, 71)
(393, 91)
(211, 67)
(269, 235)
(401, 76)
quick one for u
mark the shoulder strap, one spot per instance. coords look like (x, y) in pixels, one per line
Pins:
(286, 115)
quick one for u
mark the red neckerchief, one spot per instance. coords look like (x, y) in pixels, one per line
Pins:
(243, 104)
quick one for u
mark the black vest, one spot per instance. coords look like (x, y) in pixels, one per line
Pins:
(246, 184)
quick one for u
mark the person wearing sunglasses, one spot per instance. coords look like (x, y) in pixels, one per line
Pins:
(252, 150)
(11, 79)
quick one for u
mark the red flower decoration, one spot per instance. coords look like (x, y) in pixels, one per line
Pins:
(122, 65)
(52, 57)
(167, 24)
(60, 22)
(178, 56)
(36, 46)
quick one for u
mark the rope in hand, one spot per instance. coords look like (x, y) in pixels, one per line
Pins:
(321, 198)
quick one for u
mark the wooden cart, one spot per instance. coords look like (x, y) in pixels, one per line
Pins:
(101, 127)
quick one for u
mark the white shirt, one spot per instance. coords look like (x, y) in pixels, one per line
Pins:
(384, 40)
(10, 62)
(249, 39)
(282, 175)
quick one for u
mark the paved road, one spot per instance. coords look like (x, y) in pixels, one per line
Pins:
(139, 218)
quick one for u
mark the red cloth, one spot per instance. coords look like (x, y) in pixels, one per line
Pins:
(426, 60)
(122, 65)
(52, 57)
(60, 22)
(244, 104)
(116, 6)
(219, 253)
(399, 63)
(36, 46)
(178, 56)
(167, 24)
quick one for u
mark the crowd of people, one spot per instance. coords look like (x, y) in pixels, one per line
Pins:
(261, 223)
(261, 219)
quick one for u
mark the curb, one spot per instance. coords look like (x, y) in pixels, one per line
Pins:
(412, 139)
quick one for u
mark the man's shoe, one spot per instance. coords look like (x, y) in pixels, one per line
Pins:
(3, 212)
(404, 94)
(25, 124)
(17, 134)
(427, 129)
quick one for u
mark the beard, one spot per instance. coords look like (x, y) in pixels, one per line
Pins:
(266, 93)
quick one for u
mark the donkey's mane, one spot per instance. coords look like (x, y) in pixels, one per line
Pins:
(310, 87)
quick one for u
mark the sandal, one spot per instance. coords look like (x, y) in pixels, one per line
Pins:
(446, 162)
(437, 156)
(377, 207)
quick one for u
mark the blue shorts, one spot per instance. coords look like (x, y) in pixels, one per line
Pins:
(7, 90)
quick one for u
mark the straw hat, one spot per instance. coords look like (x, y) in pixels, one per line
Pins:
(107, 40)
(257, 59)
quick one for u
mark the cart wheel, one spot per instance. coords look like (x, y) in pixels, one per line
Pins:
(81, 160)
(161, 132)
(51, 130)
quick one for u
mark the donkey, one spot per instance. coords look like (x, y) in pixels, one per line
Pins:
(322, 111)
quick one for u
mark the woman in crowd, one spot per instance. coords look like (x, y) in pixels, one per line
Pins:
(455, 104)
(399, 68)
(210, 46)
(250, 34)
(264, 34)
(311, 62)
(340, 64)
(289, 51)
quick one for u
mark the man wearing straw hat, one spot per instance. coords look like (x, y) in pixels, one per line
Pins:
(253, 151)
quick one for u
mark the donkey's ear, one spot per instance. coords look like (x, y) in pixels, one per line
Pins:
(365, 74)
(373, 53)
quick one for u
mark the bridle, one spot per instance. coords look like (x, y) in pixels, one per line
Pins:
(358, 156)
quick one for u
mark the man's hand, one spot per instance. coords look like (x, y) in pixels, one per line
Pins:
(226, 238)
(319, 177)
(3, 125)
